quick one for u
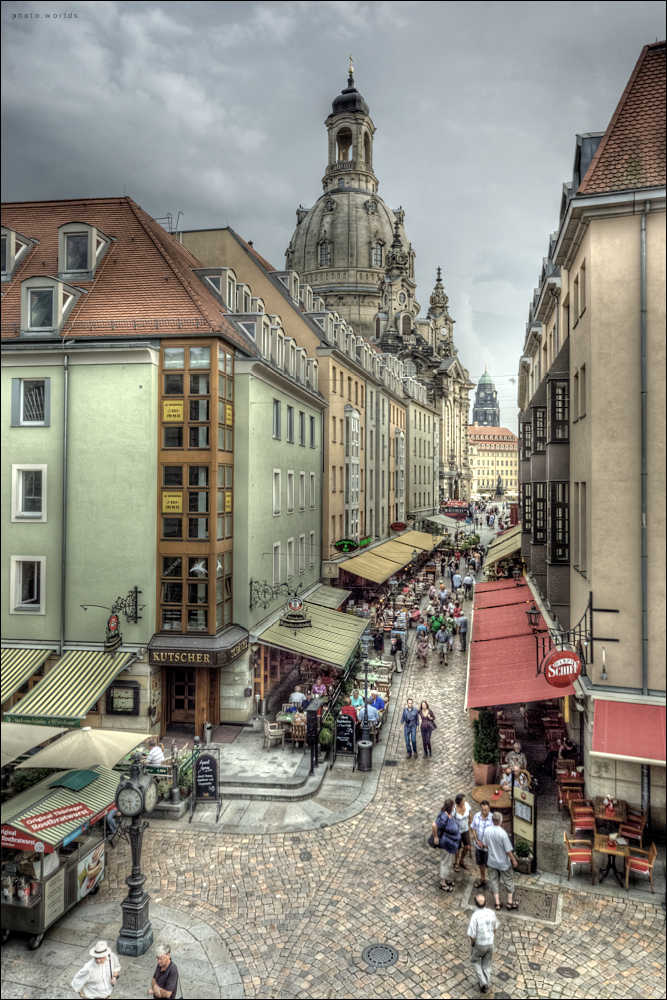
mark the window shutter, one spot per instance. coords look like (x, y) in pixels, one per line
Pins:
(16, 402)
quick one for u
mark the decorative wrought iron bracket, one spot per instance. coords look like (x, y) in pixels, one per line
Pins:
(128, 606)
(263, 594)
(580, 638)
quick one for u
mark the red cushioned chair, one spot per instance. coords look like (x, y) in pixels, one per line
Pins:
(633, 828)
(641, 862)
(569, 793)
(582, 816)
(579, 852)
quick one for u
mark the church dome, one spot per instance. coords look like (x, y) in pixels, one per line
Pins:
(485, 378)
(349, 100)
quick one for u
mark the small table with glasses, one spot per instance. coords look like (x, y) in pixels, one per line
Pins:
(603, 845)
(618, 814)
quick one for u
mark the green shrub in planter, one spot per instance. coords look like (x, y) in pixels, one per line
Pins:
(326, 738)
(26, 777)
(485, 747)
(522, 848)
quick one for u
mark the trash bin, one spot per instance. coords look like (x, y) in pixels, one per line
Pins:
(208, 730)
(365, 755)
(263, 706)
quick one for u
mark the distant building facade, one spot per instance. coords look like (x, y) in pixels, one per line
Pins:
(494, 457)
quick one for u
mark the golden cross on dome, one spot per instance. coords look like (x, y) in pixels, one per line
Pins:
(351, 69)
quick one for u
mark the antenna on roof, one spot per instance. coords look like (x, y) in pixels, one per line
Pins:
(169, 219)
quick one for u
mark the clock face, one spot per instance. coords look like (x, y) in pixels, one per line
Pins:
(150, 796)
(129, 800)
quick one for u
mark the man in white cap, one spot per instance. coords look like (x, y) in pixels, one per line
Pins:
(98, 977)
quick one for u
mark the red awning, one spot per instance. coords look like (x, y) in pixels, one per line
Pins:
(629, 731)
(502, 669)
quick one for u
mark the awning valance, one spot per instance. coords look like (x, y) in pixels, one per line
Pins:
(70, 689)
(18, 666)
(504, 546)
(629, 731)
(332, 639)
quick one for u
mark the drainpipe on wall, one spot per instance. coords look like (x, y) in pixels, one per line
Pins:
(63, 555)
(646, 774)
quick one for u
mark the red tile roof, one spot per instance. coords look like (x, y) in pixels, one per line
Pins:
(479, 431)
(632, 151)
(143, 282)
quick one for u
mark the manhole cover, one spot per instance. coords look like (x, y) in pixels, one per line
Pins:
(504, 976)
(567, 972)
(305, 856)
(391, 763)
(534, 903)
(381, 956)
(535, 966)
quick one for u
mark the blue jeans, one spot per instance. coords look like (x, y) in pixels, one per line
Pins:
(410, 733)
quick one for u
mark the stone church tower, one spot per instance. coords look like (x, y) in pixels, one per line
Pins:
(486, 410)
(352, 249)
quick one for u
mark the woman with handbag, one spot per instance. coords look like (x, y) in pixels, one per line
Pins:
(427, 722)
(447, 838)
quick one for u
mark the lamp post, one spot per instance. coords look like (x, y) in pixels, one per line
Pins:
(516, 573)
(533, 617)
(136, 794)
(366, 643)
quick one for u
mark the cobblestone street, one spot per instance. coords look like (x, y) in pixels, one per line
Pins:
(296, 911)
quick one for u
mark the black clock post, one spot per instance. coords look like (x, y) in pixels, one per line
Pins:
(136, 932)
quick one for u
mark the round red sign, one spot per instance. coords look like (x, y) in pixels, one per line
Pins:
(398, 526)
(561, 668)
(295, 604)
(112, 624)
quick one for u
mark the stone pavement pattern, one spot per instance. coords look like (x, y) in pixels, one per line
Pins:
(296, 910)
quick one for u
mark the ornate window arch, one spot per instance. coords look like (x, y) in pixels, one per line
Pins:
(406, 325)
(324, 253)
(377, 253)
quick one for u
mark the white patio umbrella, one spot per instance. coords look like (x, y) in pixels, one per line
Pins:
(18, 737)
(85, 747)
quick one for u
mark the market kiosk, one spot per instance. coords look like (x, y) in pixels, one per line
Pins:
(53, 848)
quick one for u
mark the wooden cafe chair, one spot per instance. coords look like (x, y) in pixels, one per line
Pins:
(641, 862)
(582, 816)
(579, 852)
(633, 828)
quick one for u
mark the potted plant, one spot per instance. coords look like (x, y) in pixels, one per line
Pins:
(326, 739)
(485, 748)
(524, 856)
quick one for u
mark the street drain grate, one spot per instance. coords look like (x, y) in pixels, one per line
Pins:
(305, 856)
(567, 972)
(391, 763)
(534, 903)
(379, 956)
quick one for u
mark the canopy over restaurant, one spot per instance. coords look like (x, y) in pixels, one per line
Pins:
(503, 662)
(629, 731)
(389, 558)
(504, 546)
(18, 666)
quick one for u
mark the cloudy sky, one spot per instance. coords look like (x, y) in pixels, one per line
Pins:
(216, 110)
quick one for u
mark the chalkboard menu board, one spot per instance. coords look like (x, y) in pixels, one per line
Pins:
(345, 734)
(206, 778)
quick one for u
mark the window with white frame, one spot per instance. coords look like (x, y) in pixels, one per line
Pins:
(313, 553)
(276, 419)
(302, 491)
(290, 492)
(290, 424)
(28, 585)
(312, 491)
(80, 248)
(302, 428)
(276, 491)
(290, 558)
(313, 439)
(276, 563)
(31, 402)
(14, 247)
(29, 493)
(302, 554)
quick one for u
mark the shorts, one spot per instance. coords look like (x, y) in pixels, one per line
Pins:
(495, 875)
(481, 856)
(465, 838)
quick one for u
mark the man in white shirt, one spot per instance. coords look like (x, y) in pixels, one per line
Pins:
(481, 931)
(297, 696)
(155, 753)
(98, 977)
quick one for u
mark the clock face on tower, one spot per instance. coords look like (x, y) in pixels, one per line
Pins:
(129, 800)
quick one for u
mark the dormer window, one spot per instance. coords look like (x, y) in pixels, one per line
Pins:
(46, 302)
(80, 249)
(13, 248)
(216, 281)
(231, 294)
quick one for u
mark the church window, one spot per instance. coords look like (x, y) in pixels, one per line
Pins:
(344, 142)
(325, 254)
(329, 205)
(407, 325)
(367, 148)
(341, 182)
(376, 254)
(377, 327)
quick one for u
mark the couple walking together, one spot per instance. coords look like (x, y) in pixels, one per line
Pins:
(413, 717)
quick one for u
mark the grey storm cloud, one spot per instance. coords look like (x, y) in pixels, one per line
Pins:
(216, 110)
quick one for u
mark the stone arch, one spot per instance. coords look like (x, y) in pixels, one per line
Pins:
(368, 149)
(344, 144)
(406, 325)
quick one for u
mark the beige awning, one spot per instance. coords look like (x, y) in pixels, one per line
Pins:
(332, 638)
(504, 546)
(328, 597)
(84, 747)
(18, 737)
(372, 566)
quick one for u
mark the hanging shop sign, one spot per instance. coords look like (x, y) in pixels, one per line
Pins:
(561, 668)
(196, 657)
(114, 637)
(54, 817)
(398, 526)
(363, 542)
(346, 545)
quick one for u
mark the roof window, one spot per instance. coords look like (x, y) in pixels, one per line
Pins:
(80, 249)
(46, 302)
(13, 248)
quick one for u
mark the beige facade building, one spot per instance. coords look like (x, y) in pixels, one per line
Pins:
(494, 458)
(592, 424)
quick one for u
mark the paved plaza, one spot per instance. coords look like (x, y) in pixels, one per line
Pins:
(289, 914)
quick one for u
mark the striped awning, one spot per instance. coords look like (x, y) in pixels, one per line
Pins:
(504, 545)
(18, 666)
(332, 639)
(422, 541)
(373, 566)
(70, 689)
(19, 813)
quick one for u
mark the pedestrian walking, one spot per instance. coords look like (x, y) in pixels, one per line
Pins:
(462, 623)
(423, 649)
(446, 838)
(461, 815)
(428, 724)
(481, 931)
(98, 977)
(431, 593)
(422, 630)
(456, 583)
(378, 641)
(442, 640)
(409, 721)
(443, 566)
(468, 585)
(501, 861)
(481, 822)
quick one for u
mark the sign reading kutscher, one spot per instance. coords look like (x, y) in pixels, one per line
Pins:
(561, 668)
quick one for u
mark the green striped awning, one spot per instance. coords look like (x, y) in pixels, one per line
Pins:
(18, 666)
(42, 799)
(70, 689)
(332, 639)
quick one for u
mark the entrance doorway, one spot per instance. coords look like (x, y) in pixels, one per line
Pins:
(183, 694)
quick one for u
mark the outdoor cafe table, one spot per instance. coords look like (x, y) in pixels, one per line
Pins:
(570, 778)
(284, 718)
(503, 802)
(619, 814)
(603, 845)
